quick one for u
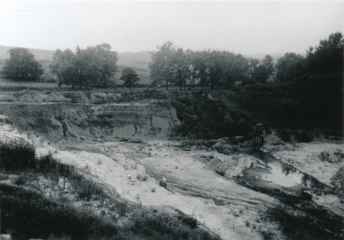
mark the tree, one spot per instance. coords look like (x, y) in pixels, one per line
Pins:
(265, 69)
(64, 67)
(162, 67)
(179, 60)
(290, 67)
(236, 68)
(97, 65)
(130, 77)
(214, 68)
(328, 56)
(22, 65)
(200, 67)
(93, 66)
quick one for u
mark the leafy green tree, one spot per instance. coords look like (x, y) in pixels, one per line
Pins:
(180, 69)
(130, 77)
(235, 68)
(290, 67)
(200, 68)
(93, 66)
(214, 68)
(22, 65)
(328, 56)
(97, 65)
(264, 70)
(162, 67)
(64, 67)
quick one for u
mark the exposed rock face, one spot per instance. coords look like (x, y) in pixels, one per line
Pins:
(107, 120)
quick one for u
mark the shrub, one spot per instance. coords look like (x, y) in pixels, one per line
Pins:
(301, 226)
(304, 136)
(27, 213)
(21, 180)
(284, 135)
(163, 184)
(17, 155)
(190, 221)
(324, 156)
(339, 156)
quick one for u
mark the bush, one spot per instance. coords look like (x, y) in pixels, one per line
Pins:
(162, 227)
(303, 227)
(17, 155)
(205, 118)
(27, 213)
(86, 189)
(190, 221)
(21, 180)
(303, 136)
(324, 156)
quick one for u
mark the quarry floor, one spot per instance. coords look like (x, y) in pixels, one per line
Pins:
(216, 202)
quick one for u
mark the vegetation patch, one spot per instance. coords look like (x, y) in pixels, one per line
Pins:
(27, 213)
(296, 225)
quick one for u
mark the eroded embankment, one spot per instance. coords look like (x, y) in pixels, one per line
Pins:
(106, 121)
(199, 182)
(224, 207)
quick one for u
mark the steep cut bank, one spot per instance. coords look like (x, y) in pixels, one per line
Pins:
(79, 116)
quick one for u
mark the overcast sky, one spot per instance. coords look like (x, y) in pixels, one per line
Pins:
(242, 27)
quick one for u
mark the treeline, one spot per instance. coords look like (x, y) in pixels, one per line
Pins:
(171, 65)
(218, 69)
(308, 91)
(95, 66)
(302, 93)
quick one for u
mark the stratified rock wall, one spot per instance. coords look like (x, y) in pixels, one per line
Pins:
(90, 116)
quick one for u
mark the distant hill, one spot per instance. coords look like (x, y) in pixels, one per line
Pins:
(40, 54)
(275, 56)
(139, 61)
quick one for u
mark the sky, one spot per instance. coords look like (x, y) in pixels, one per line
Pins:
(246, 27)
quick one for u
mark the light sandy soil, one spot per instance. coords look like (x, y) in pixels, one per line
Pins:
(216, 202)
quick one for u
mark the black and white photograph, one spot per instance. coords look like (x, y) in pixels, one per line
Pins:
(171, 120)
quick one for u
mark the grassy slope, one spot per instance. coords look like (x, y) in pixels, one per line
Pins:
(85, 212)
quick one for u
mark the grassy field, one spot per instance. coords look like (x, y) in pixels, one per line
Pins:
(5, 83)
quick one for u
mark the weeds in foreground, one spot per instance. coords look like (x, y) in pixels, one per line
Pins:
(298, 226)
(28, 214)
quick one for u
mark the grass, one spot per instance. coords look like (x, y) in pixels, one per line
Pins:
(7, 83)
(298, 226)
(27, 213)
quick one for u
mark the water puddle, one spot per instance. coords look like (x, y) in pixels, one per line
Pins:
(280, 177)
(279, 173)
